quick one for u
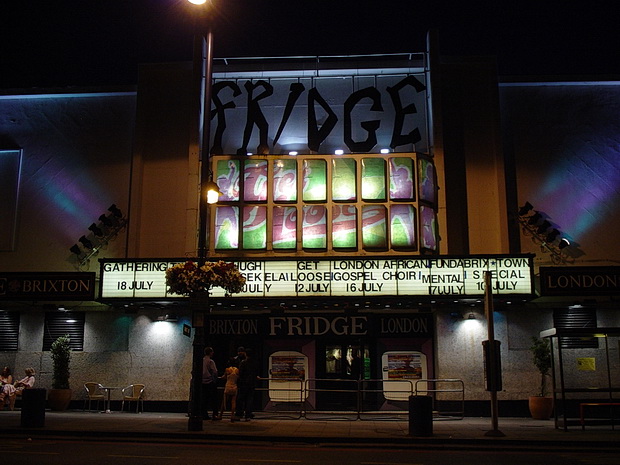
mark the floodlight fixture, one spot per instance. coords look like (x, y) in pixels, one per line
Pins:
(97, 231)
(115, 211)
(525, 209)
(86, 243)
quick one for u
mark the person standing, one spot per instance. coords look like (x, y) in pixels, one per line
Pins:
(209, 386)
(246, 384)
(231, 374)
(240, 356)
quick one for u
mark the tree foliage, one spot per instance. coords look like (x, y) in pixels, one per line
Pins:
(61, 357)
(541, 352)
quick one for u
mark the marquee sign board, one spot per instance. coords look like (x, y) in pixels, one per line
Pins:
(367, 277)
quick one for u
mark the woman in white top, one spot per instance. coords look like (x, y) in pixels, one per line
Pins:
(230, 389)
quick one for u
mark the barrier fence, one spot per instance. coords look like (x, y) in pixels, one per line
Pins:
(368, 399)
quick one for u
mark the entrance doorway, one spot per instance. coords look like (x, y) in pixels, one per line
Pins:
(340, 366)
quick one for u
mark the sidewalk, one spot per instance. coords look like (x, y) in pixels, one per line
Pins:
(469, 432)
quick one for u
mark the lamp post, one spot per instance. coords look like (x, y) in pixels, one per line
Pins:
(205, 46)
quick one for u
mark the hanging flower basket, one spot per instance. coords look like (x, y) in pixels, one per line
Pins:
(188, 278)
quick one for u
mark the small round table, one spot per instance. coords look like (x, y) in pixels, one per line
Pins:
(109, 390)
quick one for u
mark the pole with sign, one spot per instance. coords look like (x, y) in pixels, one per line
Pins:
(493, 371)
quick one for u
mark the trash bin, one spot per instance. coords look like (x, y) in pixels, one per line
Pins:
(33, 408)
(420, 416)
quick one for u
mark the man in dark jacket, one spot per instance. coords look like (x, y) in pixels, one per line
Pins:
(209, 386)
(246, 384)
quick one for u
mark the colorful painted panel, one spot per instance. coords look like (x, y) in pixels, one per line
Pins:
(401, 179)
(284, 227)
(426, 176)
(374, 227)
(227, 228)
(314, 227)
(402, 226)
(255, 180)
(315, 181)
(254, 227)
(373, 179)
(285, 180)
(344, 226)
(343, 179)
(227, 178)
(428, 226)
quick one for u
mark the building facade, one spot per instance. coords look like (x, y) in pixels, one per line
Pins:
(362, 198)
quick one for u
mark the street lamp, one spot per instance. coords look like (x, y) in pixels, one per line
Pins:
(209, 193)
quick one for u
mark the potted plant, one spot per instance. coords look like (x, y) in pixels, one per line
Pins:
(59, 396)
(541, 405)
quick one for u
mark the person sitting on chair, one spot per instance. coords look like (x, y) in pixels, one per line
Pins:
(6, 377)
(10, 391)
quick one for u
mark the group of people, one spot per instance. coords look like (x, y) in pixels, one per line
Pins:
(240, 377)
(9, 390)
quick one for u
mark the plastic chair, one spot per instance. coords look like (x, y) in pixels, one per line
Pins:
(133, 393)
(93, 392)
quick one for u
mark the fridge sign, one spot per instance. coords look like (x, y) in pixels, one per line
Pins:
(436, 276)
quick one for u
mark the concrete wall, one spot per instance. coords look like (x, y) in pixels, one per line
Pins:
(119, 349)
(77, 152)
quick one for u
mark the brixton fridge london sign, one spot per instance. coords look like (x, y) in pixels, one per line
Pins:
(436, 276)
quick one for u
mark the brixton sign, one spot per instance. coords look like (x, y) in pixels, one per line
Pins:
(385, 276)
(47, 286)
(580, 280)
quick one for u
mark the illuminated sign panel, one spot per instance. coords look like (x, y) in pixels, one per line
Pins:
(368, 277)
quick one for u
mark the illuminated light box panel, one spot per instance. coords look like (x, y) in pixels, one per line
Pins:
(379, 203)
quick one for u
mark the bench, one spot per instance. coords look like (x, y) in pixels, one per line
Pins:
(596, 404)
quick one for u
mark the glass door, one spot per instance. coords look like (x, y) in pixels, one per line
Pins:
(340, 367)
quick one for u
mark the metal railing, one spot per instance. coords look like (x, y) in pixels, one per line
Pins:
(433, 389)
(338, 399)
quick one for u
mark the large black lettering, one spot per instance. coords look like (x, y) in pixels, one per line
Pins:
(413, 136)
(369, 126)
(317, 135)
(219, 110)
(256, 117)
(295, 90)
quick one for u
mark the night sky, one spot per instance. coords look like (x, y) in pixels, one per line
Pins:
(90, 43)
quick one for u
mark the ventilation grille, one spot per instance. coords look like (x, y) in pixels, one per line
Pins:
(59, 324)
(9, 331)
(576, 318)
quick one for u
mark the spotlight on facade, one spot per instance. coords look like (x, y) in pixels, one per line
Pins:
(115, 211)
(471, 316)
(535, 218)
(106, 221)
(552, 235)
(86, 243)
(525, 209)
(543, 227)
(563, 243)
(339, 152)
(96, 230)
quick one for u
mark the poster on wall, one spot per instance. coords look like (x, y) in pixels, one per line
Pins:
(287, 372)
(401, 370)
